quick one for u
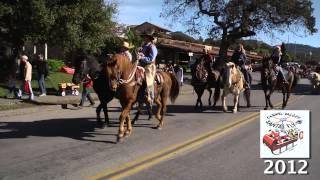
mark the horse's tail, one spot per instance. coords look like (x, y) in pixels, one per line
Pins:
(175, 88)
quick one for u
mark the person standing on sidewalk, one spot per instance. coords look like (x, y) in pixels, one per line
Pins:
(25, 77)
(87, 85)
(42, 69)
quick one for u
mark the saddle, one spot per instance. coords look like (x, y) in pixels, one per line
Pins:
(200, 74)
(140, 76)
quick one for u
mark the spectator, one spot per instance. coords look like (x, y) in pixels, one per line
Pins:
(87, 85)
(42, 69)
(25, 77)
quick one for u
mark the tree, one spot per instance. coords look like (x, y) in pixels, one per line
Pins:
(84, 24)
(235, 19)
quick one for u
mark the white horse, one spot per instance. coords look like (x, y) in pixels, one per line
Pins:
(233, 82)
(315, 79)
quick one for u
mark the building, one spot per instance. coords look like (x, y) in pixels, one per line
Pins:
(180, 52)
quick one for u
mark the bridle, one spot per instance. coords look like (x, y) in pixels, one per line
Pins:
(121, 81)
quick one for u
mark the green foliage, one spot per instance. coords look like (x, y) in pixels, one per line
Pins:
(84, 24)
(55, 64)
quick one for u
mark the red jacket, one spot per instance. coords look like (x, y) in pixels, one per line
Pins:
(88, 84)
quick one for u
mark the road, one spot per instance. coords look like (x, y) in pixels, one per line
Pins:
(48, 142)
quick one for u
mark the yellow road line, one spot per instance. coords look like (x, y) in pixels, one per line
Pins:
(146, 161)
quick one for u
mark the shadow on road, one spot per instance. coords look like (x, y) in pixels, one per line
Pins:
(78, 128)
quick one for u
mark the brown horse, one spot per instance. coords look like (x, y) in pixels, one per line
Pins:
(121, 73)
(270, 82)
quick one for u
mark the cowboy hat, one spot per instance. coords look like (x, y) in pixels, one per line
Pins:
(126, 45)
(24, 57)
(149, 33)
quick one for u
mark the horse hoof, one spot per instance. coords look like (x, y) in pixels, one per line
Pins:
(133, 121)
(159, 127)
(120, 140)
(234, 111)
(248, 105)
(266, 108)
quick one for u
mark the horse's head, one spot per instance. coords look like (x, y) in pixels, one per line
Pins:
(81, 69)
(117, 66)
(267, 66)
(231, 74)
(86, 65)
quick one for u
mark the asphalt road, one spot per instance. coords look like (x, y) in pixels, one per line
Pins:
(48, 142)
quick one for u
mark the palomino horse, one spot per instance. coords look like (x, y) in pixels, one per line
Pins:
(233, 82)
(89, 65)
(121, 73)
(202, 79)
(270, 82)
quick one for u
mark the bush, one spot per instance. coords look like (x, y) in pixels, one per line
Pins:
(55, 64)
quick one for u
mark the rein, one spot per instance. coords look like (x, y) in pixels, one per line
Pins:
(131, 75)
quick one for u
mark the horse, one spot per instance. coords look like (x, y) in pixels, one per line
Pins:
(270, 82)
(233, 82)
(89, 65)
(204, 80)
(121, 74)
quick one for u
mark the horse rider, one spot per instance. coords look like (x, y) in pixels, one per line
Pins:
(239, 58)
(147, 57)
(207, 58)
(125, 50)
(276, 58)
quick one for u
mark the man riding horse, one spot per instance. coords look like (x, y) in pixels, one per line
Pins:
(147, 57)
(239, 58)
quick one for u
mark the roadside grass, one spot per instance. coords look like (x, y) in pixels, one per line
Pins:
(51, 83)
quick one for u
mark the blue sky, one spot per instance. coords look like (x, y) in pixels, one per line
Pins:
(138, 11)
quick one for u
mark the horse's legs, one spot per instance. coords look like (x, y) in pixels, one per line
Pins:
(98, 110)
(124, 114)
(199, 91)
(129, 127)
(136, 117)
(235, 102)
(163, 111)
(105, 111)
(158, 114)
(266, 99)
(210, 94)
(223, 99)
(216, 96)
(269, 98)
(247, 97)
(99, 121)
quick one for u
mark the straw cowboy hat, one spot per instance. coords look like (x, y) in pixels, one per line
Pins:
(126, 45)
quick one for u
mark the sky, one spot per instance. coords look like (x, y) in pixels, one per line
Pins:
(134, 12)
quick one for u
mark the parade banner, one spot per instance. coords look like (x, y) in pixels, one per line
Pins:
(284, 134)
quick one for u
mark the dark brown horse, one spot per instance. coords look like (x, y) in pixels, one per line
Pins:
(121, 73)
(204, 79)
(270, 82)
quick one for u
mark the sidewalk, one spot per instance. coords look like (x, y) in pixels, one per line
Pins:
(9, 104)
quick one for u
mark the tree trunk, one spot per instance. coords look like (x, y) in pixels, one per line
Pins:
(223, 52)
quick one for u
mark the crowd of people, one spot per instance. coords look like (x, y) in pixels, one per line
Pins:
(25, 77)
